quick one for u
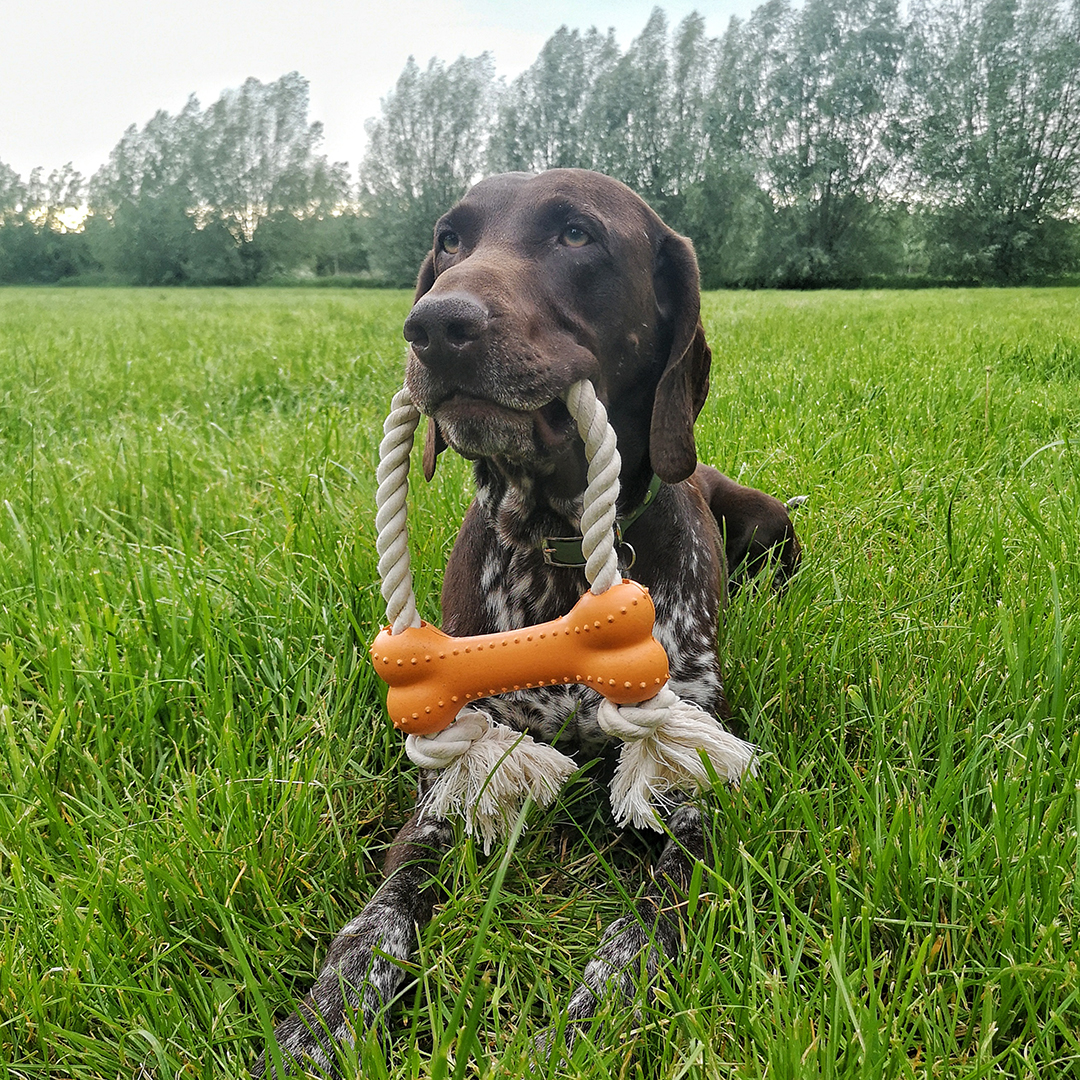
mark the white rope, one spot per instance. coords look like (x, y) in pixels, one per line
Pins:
(602, 492)
(664, 739)
(444, 747)
(487, 770)
(391, 499)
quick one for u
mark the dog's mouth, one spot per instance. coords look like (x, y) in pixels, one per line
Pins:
(553, 424)
(478, 427)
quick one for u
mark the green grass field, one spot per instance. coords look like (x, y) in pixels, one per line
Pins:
(197, 782)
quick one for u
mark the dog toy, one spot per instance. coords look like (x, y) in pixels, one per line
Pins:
(605, 642)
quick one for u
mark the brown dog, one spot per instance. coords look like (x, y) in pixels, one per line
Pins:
(535, 282)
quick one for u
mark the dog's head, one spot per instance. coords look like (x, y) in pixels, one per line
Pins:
(535, 282)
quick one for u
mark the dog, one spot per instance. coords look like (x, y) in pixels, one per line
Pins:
(533, 283)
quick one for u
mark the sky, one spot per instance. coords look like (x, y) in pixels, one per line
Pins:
(74, 74)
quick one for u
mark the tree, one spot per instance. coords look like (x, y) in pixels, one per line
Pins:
(693, 67)
(823, 143)
(12, 205)
(725, 210)
(39, 239)
(645, 86)
(626, 113)
(12, 192)
(144, 204)
(546, 116)
(828, 76)
(424, 151)
(338, 244)
(224, 195)
(993, 126)
(637, 117)
(256, 157)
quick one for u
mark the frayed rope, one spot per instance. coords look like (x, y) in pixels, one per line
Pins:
(486, 772)
(664, 739)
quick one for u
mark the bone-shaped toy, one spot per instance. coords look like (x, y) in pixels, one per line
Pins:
(604, 642)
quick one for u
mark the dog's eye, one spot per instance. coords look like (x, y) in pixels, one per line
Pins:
(450, 242)
(572, 236)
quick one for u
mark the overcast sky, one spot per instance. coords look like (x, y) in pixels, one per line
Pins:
(75, 73)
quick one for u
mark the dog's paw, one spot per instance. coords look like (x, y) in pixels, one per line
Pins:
(557, 1040)
(357, 985)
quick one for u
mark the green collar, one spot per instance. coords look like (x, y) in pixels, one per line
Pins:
(566, 550)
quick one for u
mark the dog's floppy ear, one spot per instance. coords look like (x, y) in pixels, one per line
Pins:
(426, 278)
(684, 382)
(434, 443)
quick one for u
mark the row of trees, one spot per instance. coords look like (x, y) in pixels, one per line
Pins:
(838, 142)
(235, 193)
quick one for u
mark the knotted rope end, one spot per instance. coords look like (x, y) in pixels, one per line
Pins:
(486, 772)
(666, 743)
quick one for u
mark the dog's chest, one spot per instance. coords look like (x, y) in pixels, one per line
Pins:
(519, 589)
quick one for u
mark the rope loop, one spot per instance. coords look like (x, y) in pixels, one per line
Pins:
(597, 514)
(446, 746)
(391, 499)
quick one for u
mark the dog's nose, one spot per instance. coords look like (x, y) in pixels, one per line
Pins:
(445, 328)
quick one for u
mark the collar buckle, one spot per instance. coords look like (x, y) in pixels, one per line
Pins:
(566, 552)
(563, 551)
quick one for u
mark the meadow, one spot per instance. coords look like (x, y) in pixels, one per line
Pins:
(198, 783)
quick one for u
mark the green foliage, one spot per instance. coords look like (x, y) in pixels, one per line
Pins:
(549, 117)
(826, 79)
(829, 143)
(833, 142)
(236, 193)
(197, 781)
(422, 155)
(35, 245)
(728, 216)
(994, 94)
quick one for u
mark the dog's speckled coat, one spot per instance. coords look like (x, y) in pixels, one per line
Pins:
(533, 283)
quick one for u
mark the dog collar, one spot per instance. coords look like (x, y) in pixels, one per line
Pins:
(566, 551)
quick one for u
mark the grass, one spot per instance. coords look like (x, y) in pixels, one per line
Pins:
(197, 782)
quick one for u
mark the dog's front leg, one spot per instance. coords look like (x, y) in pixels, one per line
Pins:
(359, 978)
(644, 938)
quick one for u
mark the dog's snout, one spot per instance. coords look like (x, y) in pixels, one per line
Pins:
(445, 328)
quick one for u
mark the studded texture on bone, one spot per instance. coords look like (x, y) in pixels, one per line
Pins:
(605, 642)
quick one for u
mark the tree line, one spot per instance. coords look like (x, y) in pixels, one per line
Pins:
(232, 194)
(840, 142)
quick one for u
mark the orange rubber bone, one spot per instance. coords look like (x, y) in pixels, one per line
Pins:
(604, 642)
